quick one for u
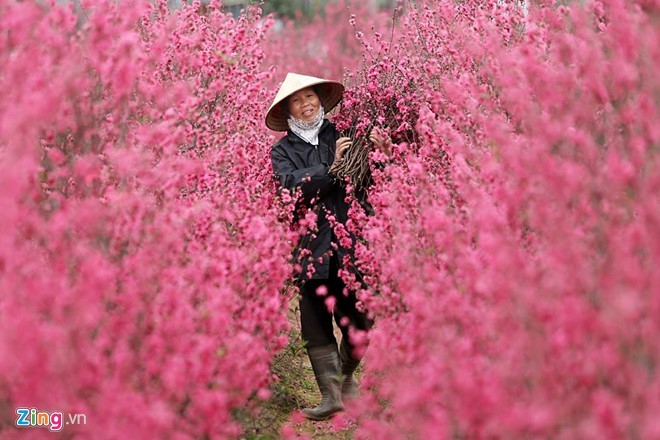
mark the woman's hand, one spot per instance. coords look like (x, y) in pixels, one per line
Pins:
(381, 140)
(341, 146)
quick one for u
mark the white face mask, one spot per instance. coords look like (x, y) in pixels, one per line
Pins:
(308, 130)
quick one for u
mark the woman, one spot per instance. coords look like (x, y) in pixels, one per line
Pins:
(302, 160)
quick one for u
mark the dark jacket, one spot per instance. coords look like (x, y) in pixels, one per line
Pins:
(300, 165)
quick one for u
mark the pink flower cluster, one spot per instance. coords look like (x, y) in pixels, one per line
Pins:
(142, 260)
(326, 46)
(511, 257)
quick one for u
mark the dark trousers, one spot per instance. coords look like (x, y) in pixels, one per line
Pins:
(316, 319)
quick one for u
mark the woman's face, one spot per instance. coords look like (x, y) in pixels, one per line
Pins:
(304, 104)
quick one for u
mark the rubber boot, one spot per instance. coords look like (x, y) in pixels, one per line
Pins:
(349, 386)
(325, 363)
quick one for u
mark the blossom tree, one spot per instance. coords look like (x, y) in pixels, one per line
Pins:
(142, 259)
(510, 257)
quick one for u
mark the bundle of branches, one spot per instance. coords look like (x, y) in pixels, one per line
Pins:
(383, 95)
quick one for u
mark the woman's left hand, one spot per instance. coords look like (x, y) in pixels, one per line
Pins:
(381, 140)
(342, 144)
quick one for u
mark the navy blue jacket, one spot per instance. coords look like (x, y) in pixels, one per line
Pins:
(301, 166)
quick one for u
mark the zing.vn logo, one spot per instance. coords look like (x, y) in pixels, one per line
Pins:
(54, 421)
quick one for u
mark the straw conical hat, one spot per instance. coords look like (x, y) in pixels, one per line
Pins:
(330, 93)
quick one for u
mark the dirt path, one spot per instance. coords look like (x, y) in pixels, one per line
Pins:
(296, 389)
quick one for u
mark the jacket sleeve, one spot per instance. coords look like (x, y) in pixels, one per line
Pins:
(314, 181)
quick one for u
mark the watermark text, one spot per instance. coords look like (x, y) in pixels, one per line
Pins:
(53, 420)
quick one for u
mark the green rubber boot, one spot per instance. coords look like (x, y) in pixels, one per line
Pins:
(349, 386)
(326, 366)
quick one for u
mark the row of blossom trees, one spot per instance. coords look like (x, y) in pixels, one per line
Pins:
(512, 253)
(142, 260)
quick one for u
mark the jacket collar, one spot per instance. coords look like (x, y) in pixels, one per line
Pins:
(295, 138)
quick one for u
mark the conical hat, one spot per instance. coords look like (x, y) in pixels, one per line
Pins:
(330, 93)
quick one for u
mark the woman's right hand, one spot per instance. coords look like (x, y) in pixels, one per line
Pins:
(341, 146)
(381, 140)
